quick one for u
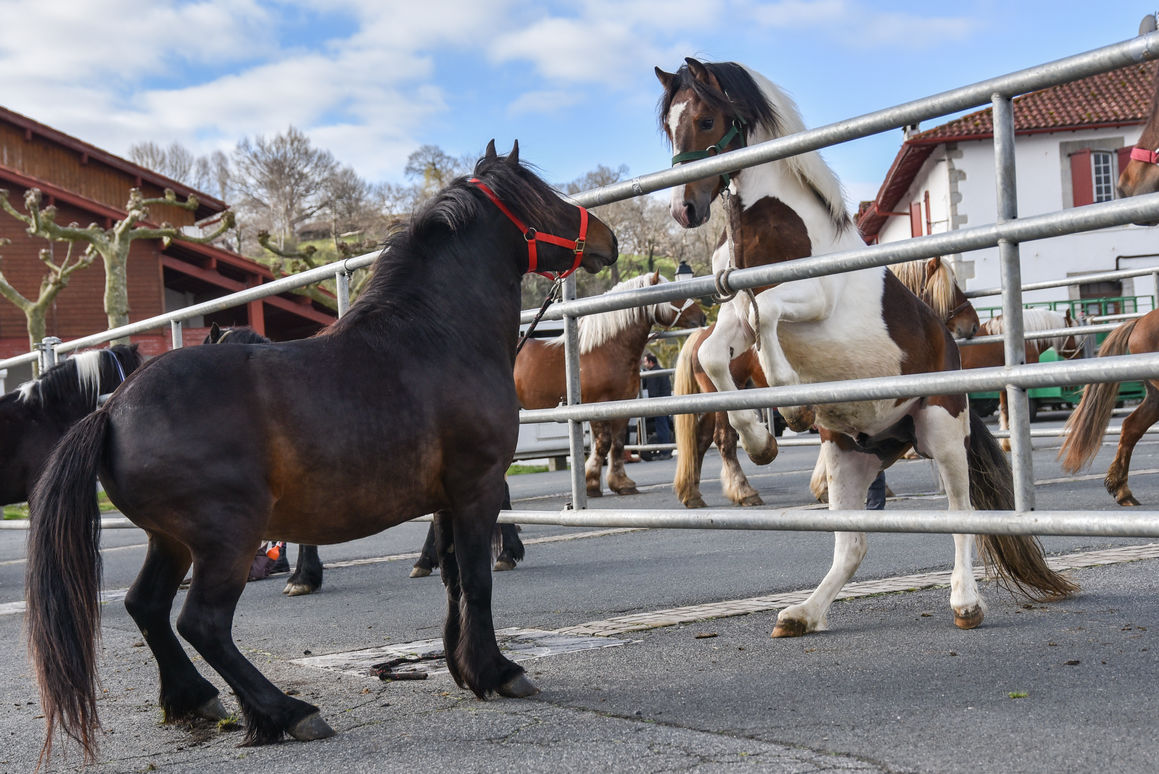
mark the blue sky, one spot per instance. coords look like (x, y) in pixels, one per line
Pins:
(371, 80)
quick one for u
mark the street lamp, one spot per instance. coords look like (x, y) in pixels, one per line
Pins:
(683, 271)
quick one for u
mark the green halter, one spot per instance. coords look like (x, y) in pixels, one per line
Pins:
(735, 131)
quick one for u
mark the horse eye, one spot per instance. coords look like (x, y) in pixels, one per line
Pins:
(706, 124)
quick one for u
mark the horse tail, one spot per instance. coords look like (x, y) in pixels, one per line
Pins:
(63, 584)
(1087, 424)
(687, 469)
(1017, 559)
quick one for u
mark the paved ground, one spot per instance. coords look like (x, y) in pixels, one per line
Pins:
(686, 677)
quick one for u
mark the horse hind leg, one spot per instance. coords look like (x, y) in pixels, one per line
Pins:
(206, 621)
(184, 692)
(850, 474)
(1134, 426)
(307, 577)
(594, 467)
(733, 481)
(428, 556)
(618, 480)
(511, 550)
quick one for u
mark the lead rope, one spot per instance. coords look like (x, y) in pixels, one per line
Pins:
(552, 295)
(725, 292)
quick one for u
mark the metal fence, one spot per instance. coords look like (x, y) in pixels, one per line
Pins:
(1006, 233)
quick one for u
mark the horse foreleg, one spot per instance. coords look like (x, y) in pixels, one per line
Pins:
(733, 481)
(428, 556)
(819, 480)
(850, 474)
(1134, 426)
(206, 621)
(942, 436)
(618, 480)
(184, 692)
(594, 467)
(307, 577)
(1003, 420)
(511, 547)
(730, 337)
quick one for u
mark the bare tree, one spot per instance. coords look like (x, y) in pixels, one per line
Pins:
(55, 280)
(434, 168)
(111, 244)
(284, 177)
(175, 162)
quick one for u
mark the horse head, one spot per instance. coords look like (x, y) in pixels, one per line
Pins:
(705, 111)
(943, 294)
(1070, 347)
(539, 212)
(1141, 174)
(686, 313)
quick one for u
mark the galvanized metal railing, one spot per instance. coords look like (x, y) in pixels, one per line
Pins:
(1006, 233)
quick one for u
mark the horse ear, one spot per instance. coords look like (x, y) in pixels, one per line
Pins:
(214, 333)
(656, 277)
(490, 154)
(513, 156)
(701, 73)
(1147, 25)
(666, 79)
(932, 266)
(1066, 316)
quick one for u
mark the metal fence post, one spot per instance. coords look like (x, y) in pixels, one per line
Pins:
(175, 330)
(342, 288)
(1013, 338)
(47, 347)
(571, 353)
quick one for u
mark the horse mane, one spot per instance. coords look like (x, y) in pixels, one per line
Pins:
(939, 291)
(597, 329)
(392, 287)
(768, 113)
(1033, 319)
(82, 376)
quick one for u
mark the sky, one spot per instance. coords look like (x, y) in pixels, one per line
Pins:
(372, 80)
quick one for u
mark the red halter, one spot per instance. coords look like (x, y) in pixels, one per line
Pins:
(1142, 154)
(533, 236)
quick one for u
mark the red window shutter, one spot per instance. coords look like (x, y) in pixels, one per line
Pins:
(915, 219)
(1124, 158)
(1081, 179)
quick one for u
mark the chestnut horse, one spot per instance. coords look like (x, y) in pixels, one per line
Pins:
(404, 406)
(932, 280)
(1141, 174)
(862, 323)
(611, 344)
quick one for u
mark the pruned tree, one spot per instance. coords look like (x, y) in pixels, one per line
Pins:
(111, 244)
(432, 168)
(283, 263)
(54, 281)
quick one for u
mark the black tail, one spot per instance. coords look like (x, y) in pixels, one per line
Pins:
(63, 584)
(1017, 559)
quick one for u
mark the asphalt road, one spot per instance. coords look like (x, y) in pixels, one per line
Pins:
(892, 686)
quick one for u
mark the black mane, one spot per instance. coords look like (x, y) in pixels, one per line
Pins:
(741, 96)
(61, 388)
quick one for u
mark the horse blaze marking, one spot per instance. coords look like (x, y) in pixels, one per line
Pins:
(521, 644)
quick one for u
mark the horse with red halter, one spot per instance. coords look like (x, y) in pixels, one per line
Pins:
(862, 323)
(404, 406)
(932, 280)
(1141, 174)
(994, 353)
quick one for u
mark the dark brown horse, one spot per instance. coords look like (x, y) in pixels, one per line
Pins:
(35, 415)
(611, 344)
(862, 323)
(932, 281)
(404, 406)
(1088, 422)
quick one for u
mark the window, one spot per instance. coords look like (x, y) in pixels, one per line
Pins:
(1094, 173)
(1103, 175)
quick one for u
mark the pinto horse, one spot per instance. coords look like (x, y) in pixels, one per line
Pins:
(35, 415)
(1141, 174)
(994, 353)
(404, 406)
(864, 323)
(932, 280)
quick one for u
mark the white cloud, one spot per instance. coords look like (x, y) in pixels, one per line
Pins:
(861, 25)
(552, 101)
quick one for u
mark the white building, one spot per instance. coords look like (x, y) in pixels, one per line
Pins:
(1070, 142)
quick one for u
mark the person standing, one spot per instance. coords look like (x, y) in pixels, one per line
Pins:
(658, 386)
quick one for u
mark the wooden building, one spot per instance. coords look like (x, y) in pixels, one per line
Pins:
(89, 185)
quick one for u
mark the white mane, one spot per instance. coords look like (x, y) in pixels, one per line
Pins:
(88, 374)
(809, 168)
(596, 329)
(1034, 319)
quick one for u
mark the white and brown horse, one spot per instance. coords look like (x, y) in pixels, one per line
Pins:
(611, 345)
(932, 280)
(863, 323)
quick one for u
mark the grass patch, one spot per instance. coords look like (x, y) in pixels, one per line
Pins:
(1018, 694)
(518, 470)
(20, 510)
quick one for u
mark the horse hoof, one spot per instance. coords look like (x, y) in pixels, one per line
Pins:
(518, 687)
(695, 502)
(790, 628)
(212, 710)
(627, 490)
(595, 492)
(968, 619)
(766, 455)
(419, 572)
(1128, 500)
(297, 589)
(753, 499)
(799, 418)
(310, 728)
(501, 565)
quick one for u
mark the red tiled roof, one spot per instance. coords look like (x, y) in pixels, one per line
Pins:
(1117, 98)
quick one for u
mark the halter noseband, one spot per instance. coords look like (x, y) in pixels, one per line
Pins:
(1142, 154)
(533, 236)
(736, 130)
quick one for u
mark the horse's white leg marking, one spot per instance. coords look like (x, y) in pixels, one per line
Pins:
(943, 437)
(819, 481)
(729, 338)
(800, 301)
(594, 467)
(850, 474)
